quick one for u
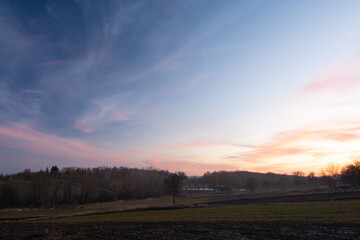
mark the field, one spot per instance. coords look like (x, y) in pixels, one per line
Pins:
(177, 230)
(105, 207)
(291, 215)
(310, 212)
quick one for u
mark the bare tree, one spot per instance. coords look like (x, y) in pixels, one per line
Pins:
(251, 183)
(298, 177)
(351, 173)
(173, 182)
(311, 177)
(331, 174)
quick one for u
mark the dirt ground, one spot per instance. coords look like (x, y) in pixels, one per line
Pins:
(112, 230)
(16, 230)
(332, 196)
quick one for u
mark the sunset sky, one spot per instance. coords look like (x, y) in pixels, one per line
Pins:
(190, 86)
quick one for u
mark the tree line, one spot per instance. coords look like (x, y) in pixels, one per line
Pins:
(333, 175)
(54, 187)
(80, 185)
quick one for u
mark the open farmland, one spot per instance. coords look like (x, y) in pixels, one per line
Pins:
(24, 214)
(310, 212)
(303, 194)
(178, 230)
(316, 218)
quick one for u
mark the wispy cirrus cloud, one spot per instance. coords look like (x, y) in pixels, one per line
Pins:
(341, 135)
(339, 78)
(102, 115)
(32, 91)
(334, 82)
(298, 142)
(327, 83)
(43, 145)
(282, 145)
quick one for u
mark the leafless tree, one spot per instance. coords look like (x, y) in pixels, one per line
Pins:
(331, 174)
(174, 182)
(251, 183)
(351, 172)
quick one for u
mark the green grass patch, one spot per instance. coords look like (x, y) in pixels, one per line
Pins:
(311, 212)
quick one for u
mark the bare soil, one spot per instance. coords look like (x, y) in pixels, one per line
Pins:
(16, 230)
(330, 196)
(111, 230)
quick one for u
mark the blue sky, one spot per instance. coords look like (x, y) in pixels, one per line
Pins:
(179, 85)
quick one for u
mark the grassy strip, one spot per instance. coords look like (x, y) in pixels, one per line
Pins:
(311, 212)
(99, 208)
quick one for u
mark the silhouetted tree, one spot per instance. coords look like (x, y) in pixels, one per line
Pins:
(54, 170)
(331, 174)
(9, 195)
(39, 188)
(298, 177)
(311, 177)
(173, 182)
(26, 174)
(251, 183)
(351, 173)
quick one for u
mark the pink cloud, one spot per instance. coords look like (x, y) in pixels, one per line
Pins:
(340, 77)
(18, 136)
(189, 167)
(260, 153)
(279, 147)
(290, 143)
(338, 135)
(327, 83)
(32, 91)
(285, 138)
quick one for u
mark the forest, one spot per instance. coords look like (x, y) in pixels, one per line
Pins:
(56, 187)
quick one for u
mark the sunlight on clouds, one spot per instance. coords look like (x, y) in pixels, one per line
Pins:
(330, 98)
(339, 78)
(194, 86)
(310, 148)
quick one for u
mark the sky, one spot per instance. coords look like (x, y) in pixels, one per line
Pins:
(193, 86)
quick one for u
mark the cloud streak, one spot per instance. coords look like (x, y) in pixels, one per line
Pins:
(21, 137)
(296, 142)
(327, 83)
(102, 115)
(32, 91)
(339, 78)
